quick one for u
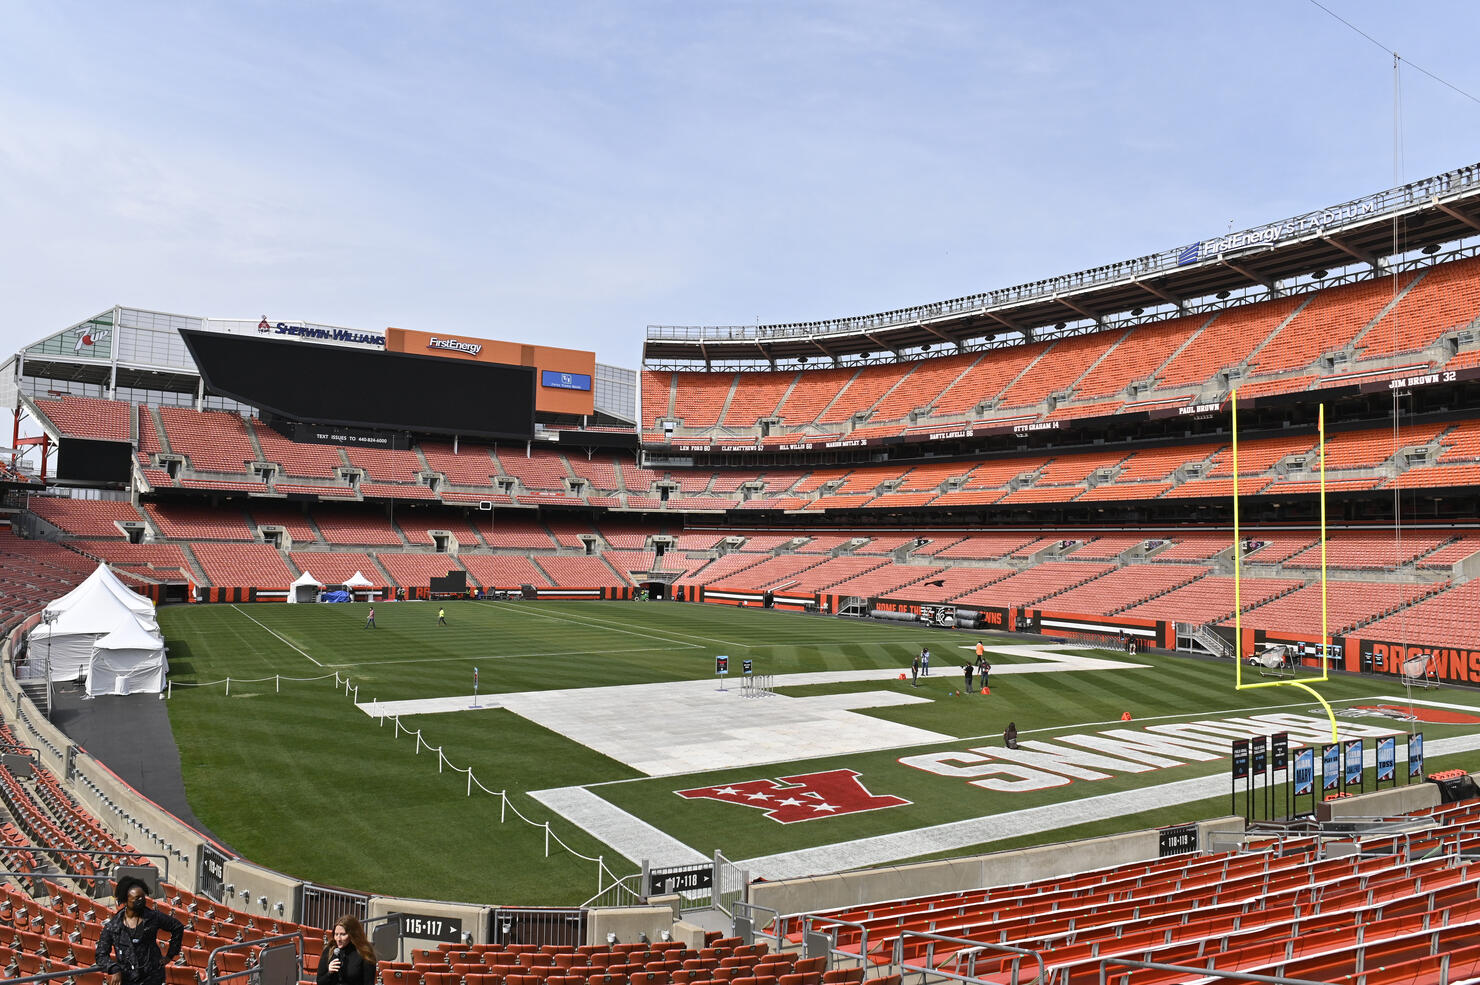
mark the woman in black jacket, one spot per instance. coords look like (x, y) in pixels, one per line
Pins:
(128, 946)
(350, 960)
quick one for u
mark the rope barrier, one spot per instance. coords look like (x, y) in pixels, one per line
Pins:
(351, 690)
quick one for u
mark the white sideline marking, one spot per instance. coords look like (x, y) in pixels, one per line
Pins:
(281, 638)
(630, 835)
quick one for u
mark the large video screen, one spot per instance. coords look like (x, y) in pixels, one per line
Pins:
(90, 460)
(325, 384)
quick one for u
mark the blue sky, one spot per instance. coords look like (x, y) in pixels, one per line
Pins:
(568, 173)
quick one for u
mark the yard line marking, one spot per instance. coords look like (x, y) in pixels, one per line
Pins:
(501, 656)
(283, 638)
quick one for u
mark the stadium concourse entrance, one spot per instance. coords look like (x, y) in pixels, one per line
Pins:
(656, 591)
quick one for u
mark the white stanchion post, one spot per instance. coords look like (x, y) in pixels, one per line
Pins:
(547, 839)
(228, 687)
(440, 759)
(171, 688)
(503, 805)
(277, 683)
(470, 783)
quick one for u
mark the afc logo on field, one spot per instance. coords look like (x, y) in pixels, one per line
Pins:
(800, 798)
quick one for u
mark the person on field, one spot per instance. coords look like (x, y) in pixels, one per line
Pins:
(128, 945)
(983, 668)
(1009, 737)
(966, 670)
(441, 617)
(370, 618)
(915, 673)
(925, 662)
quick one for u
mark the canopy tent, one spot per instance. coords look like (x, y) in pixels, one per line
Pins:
(128, 660)
(68, 638)
(360, 587)
(305, 589)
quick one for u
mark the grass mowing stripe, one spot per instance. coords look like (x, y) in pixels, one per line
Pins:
(283, 638)
(618, 629)
(507, 656)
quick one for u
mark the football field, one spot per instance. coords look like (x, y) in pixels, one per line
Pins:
(606, 721)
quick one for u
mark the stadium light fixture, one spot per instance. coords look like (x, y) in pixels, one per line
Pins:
(1137, 312)
(1318, 274)
(1430, 250)
(1221, 295)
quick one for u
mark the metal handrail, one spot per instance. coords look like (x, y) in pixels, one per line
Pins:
(212, 977)
(52, 975)
(973, 948)
(744, 909)
(1364, 210)
(862, 956)
(1200, 972)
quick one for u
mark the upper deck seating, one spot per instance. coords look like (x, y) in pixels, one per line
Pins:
(865, 389)
(386, 464)
(927, 381)
(470, 465)
(1328, 321)
(540, 469)
(89, 417)
(298, 459)
(699, 397)
(600, 472)
(417, 524)
(1225, 341)
(1065, 362)
(517, 533)
(987, 377)
(889, 578)
(756, 396)
(1137, 356)
(657, 394)
(213, 441)
(1446, 299)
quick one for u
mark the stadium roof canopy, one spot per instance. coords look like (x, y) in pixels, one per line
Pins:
(1366, 233)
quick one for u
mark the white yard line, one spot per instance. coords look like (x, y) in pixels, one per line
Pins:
(282, 638)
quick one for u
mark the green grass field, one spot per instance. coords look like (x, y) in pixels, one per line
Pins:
(291, 774)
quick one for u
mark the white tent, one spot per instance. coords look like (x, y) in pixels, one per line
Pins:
(129, 660)
(102, 605)
(358, 580)
(305, 589)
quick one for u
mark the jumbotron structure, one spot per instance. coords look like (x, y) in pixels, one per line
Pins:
(1053, 458)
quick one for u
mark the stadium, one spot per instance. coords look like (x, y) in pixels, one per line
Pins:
(622, 683)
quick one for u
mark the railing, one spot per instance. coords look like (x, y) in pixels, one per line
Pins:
(324, 905)
(52, 976)
(1360, 211)
(968, 954)
(253, 970)
(539, 925)
(626, 891)
(1196, 973)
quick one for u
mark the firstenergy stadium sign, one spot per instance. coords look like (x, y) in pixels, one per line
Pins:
(1042, 765)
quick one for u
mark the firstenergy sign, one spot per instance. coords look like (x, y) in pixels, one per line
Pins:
(455, 345)
(1037, 765)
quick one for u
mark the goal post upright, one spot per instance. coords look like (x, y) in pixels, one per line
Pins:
(1304, 683)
